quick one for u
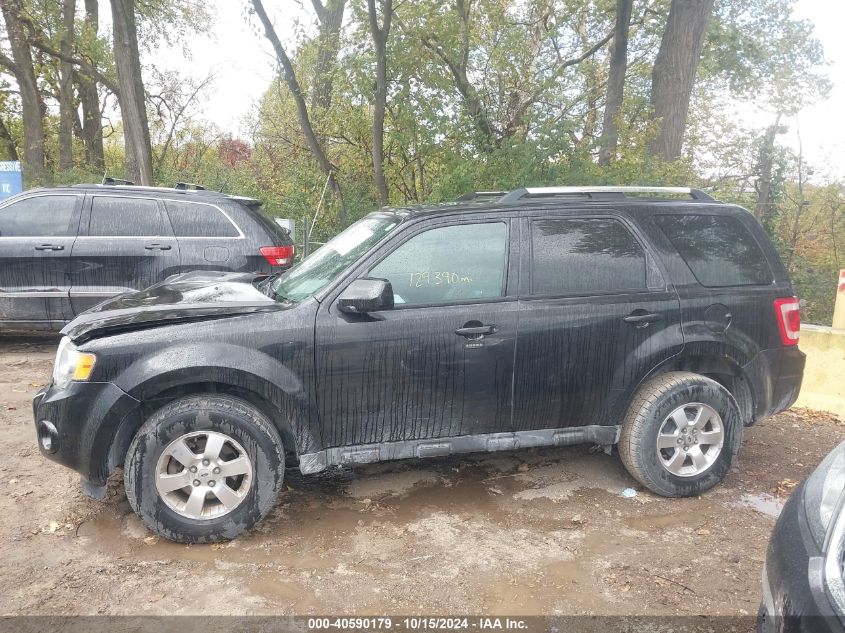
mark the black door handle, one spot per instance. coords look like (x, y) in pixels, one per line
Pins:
(49, 247)
(157, 247)
(643, 319)
(476, 331)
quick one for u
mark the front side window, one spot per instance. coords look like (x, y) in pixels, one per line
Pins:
(126, 217)
(719, 249)
(582, 256)
(39, 216)
(460, 263)
(329, 261)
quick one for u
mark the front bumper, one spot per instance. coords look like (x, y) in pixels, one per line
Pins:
(82, 421)
(794, 596)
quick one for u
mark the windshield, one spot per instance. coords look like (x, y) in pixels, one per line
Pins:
(325, 264)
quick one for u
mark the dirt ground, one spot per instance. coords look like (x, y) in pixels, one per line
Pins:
(532, 532)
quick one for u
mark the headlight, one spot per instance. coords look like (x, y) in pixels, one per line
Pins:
(71, 364)
(823, 505)
(822, 492)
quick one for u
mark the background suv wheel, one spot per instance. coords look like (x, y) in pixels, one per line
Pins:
(204, 469)
(681, 434)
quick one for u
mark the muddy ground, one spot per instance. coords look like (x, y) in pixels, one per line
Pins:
(533, 532)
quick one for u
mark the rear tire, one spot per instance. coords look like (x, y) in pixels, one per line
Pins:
(681, 434)
(204, 469)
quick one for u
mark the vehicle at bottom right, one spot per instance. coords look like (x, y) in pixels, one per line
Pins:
(803, 587)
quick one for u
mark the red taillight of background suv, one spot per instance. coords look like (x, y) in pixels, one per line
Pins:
(788, 315)
(277, 255)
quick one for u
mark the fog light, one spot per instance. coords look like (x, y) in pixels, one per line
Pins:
(48, 436)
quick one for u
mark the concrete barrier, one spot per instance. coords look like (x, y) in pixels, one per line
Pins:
(824, 377)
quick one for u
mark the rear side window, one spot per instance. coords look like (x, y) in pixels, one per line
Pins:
(39, 216)
(460, 263)
(126, 217)
(577, 256)
(195, 219)
(719, 249)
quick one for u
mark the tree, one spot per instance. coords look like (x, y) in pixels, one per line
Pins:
(615, 82)
(10, 152)
(673, 76)
(22, 68)
(136, 130)
(330, 18)
(173, 97)
(380, 35)
(505, 60)
(67, 110)
(92, 117)
(765, 169)
(303, 117)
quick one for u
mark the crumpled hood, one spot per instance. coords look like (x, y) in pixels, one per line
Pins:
(190, 296)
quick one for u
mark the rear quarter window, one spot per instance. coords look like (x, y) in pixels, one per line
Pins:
(196, 219)
(719, 250)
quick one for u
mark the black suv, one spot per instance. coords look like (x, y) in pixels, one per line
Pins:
(542, 317)
(66, 249)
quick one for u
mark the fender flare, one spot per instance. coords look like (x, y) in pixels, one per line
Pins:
(244, 370)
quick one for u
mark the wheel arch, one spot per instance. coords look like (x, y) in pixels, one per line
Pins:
(717, 364)
(281, 408)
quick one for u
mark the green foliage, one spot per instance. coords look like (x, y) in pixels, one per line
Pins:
(487, 95)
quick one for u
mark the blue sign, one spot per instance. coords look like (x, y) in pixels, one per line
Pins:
(11, 178)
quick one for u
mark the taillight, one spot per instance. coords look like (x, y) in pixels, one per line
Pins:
(788, 315)
(277, 255)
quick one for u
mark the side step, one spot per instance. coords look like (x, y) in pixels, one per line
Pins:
(310, 463)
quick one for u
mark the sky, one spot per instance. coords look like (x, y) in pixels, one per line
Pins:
(244, 66)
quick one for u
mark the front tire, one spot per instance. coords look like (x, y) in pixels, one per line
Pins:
(681, 434)
(204, 469)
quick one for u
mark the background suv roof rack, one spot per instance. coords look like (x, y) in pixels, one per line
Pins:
(184, 186)
(599, 192)
(108, 180)
(474, 195)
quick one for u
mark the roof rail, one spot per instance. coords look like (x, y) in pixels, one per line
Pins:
(599, 192)
(474, 195)
(184, 186)
(108, 180)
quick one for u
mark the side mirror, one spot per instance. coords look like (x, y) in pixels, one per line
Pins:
(366, 295)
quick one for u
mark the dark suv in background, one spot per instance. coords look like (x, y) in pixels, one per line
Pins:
(542, 317)
(66, 249)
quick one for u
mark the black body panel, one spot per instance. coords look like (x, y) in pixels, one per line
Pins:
(189, 296)
(794, 597)
(34, 269)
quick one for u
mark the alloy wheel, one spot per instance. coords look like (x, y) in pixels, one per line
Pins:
(690, 439)
(203, 475)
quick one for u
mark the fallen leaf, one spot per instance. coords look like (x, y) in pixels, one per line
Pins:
(784, 486)
(702, 531)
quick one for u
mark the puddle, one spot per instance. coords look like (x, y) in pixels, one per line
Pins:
(763, 503)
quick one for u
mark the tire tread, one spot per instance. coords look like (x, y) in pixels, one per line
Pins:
(635, 426)
(222, 403)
